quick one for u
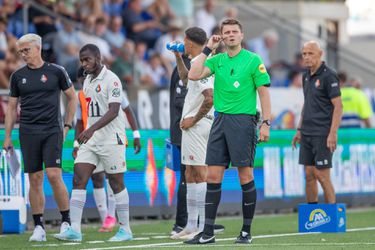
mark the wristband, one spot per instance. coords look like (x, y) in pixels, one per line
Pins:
(68, 125)
(136, 134)
(207, 51)
(75, 144)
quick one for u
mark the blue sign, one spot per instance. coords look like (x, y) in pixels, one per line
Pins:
(326, 218)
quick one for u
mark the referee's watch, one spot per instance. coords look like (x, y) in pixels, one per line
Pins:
(267, 122)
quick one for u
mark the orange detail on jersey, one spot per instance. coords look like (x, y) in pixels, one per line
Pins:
(83, 101)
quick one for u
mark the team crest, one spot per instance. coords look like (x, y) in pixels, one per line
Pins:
(317, 83)
(44, 78)
(98, 89)
(23, 80)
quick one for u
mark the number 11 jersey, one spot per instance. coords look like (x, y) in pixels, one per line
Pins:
(99, 93)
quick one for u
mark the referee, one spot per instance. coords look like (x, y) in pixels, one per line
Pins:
(239, 75)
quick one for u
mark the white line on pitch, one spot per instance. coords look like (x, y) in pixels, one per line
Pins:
(225, 239)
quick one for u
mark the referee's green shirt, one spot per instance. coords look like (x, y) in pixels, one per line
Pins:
(236, 81)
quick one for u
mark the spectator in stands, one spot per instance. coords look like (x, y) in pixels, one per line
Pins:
(100, 27)
(230, 13)
(7, 43)
(67, 8)
(140, 61)
(113, 7)
(44, 21)
(263, 44)
(161, 11)
(123, 66)
(205, 18)
(114, 35)
(356, 82)
(87, 8)
(295, 79)
(67, 44)
(155, 75)
(7, 7)
(357, 109)
(139, 29)
(174, 34)
(183, 10)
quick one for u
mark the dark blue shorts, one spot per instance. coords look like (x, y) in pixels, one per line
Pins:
(232, 140)
(41, 148)
(314, 152)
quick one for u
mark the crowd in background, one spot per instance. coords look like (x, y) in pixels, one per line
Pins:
(131, 34)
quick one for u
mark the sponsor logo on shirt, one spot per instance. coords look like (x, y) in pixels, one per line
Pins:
(116, 92)
(335, 84)
(262, 68)
(44, 78)
(23, 80)
(116, 84)
(191, 157)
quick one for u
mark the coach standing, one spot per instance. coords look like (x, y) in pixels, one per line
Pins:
(239, 75)
(38, 85)
(319, 122)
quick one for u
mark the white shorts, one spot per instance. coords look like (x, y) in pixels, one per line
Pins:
(108, 158)
(194, 143)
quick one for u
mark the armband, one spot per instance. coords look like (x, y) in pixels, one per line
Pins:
(207, 51)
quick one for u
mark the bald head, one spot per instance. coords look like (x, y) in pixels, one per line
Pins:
(311, 55)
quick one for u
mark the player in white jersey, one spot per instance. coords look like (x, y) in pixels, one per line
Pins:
(106, 209)
(196, 121)
(102, 142)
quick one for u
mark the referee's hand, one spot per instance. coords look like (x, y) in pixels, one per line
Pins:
(214, 42)
(264, 133)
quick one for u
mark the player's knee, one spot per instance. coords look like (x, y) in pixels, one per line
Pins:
(79, 182)
(54, 179)
(97, 180)
(36, 180)
(117, 187)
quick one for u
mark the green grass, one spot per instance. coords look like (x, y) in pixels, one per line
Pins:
(262, 225)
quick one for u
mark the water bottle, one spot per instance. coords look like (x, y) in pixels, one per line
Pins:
(178, 47)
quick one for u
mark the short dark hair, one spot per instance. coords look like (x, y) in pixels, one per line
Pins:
(230, 21)
(342, 76)
(92, 48)
(196, 35)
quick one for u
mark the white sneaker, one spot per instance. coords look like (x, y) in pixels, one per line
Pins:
(189, 236)
(183, 233)
(64, 226)
(39, 234)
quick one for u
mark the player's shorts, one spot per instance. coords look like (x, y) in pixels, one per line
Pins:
(314, 152)
(194, 143)
(110, 158)
(41, 148)
(233, 140)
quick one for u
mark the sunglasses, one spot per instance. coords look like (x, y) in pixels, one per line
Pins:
(24, 51)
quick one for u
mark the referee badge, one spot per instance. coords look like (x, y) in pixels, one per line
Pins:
(262, 68)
